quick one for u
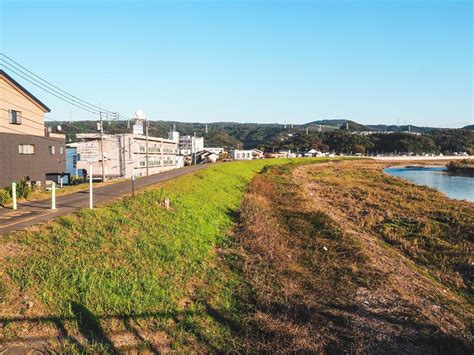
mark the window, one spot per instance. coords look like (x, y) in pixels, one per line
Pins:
(26, 149)
(15, 117)
(51, 150)
(61, 149)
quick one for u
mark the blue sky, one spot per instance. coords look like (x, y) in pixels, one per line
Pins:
(251, 61)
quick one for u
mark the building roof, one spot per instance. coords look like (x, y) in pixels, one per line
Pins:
(24, 91)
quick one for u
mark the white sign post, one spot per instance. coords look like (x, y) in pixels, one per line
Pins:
(53, 195)
(91, 203)
(14, 195)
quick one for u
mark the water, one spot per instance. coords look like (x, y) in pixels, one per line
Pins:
(459, 187)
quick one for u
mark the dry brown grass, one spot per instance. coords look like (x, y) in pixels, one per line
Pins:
(323, 282)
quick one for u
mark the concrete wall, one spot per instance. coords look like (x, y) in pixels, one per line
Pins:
(14, 165)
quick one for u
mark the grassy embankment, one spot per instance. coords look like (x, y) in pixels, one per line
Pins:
(340, 258)
(128, 265)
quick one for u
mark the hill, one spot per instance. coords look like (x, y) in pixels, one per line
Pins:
(352, 126)
(232, 135)
(403, 128)
(470, 127)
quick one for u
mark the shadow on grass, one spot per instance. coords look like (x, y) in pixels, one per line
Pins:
(89, 329)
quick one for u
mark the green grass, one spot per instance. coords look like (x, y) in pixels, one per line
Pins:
(133, 258)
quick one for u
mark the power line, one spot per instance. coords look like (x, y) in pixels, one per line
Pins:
(51, 86)
(56, 95)
(38, 114)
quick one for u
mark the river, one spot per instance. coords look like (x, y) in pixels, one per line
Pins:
(459, 187)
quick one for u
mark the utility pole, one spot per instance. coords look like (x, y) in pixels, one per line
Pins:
(91, 199)
(193, 145)
(162, 155)
(146, 157)
(102, 145)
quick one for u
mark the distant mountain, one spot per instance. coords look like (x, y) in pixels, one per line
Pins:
(330, 134)
(328, 122)
(471, 127)
(357, 127)
(352, 126)
(404, 128)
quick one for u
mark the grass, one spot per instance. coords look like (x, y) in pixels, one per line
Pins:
(242, 261)
(302, 281)
(435, 232)
(132, 258)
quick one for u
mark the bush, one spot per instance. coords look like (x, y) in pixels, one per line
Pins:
(5, 196)
(23, 189)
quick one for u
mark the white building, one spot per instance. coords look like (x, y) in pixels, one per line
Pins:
(215, 150)
(173, 135)
(206, 156)
(187, 145)
(190, 144)
(126, 155)
(314, 153)
(239, 154)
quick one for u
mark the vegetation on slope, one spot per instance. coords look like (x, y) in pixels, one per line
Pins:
(429, 228)
(319, 279)
(127, 265)
(322, 258)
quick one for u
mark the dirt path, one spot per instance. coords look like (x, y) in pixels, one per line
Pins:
(408, 289)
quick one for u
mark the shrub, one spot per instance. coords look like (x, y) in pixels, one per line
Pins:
(4, 196)
(23, 189)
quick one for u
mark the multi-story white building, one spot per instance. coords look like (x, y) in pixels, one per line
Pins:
(190, 144)
(126, 155)
(187, 145)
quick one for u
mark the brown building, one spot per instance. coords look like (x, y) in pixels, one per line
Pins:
(27, 150)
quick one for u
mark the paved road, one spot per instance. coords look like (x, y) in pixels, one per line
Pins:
(33, 212)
